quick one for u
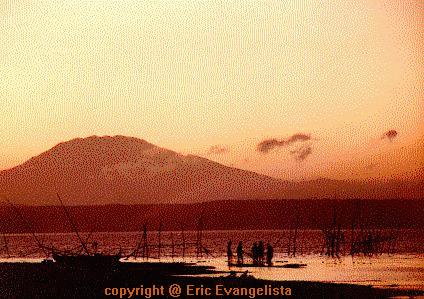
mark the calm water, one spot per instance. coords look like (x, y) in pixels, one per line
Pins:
(402, 268)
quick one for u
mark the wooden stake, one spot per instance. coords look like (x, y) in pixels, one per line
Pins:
(159, 239)
(184, 243)
(172, 244)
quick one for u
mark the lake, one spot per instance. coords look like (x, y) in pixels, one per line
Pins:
(401, 266)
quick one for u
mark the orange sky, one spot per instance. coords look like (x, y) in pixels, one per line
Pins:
(189, 75)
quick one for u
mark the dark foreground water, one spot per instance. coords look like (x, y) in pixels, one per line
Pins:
(398, 264)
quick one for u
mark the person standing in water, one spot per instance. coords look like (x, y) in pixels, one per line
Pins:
(240, 253)
(229, 252)
(261, 253)
(269, 254)
(255, 253)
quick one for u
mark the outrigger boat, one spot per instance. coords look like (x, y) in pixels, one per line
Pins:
(67, 259)
(85, 260)
(94, 261)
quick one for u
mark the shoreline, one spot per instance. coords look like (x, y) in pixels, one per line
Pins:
(49, 280)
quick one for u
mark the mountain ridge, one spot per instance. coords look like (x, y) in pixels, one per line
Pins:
(128, 170)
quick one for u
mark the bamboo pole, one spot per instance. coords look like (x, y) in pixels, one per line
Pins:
(145, 243)
(184, 243)
(289, 241)
(173, 249)
(159, 240)
(74, 227)
(295, 234)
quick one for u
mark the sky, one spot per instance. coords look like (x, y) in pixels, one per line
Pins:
(335, 88)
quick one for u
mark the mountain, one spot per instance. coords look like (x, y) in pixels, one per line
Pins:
(126, 170)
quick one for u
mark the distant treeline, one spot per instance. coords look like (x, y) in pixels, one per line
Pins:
(218, 215)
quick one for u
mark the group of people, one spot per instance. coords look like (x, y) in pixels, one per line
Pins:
(257, 255)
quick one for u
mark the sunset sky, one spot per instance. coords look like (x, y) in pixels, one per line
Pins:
(215, 79)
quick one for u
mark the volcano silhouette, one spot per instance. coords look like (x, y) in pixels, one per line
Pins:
(127, 170)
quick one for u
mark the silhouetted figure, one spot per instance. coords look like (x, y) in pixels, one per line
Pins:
(229, 252)
(269, 254)
(240, 253)
(245, 274)
(255, 253)
(369, 244)
(261, 253)
(94, 245)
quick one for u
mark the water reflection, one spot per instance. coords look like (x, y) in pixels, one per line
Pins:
(404, 269)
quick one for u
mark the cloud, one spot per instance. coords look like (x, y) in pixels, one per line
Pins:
(269, 144)
(302, 152)
(217, 150)
(390, 135)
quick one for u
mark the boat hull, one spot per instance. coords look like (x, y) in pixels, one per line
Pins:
(87, 261)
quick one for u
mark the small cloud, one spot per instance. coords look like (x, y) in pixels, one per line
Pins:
(217, 150)
(302, 152)
(269, 144)
(390, 135)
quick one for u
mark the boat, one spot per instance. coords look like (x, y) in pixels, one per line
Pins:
(87, 259)
(94, 261)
